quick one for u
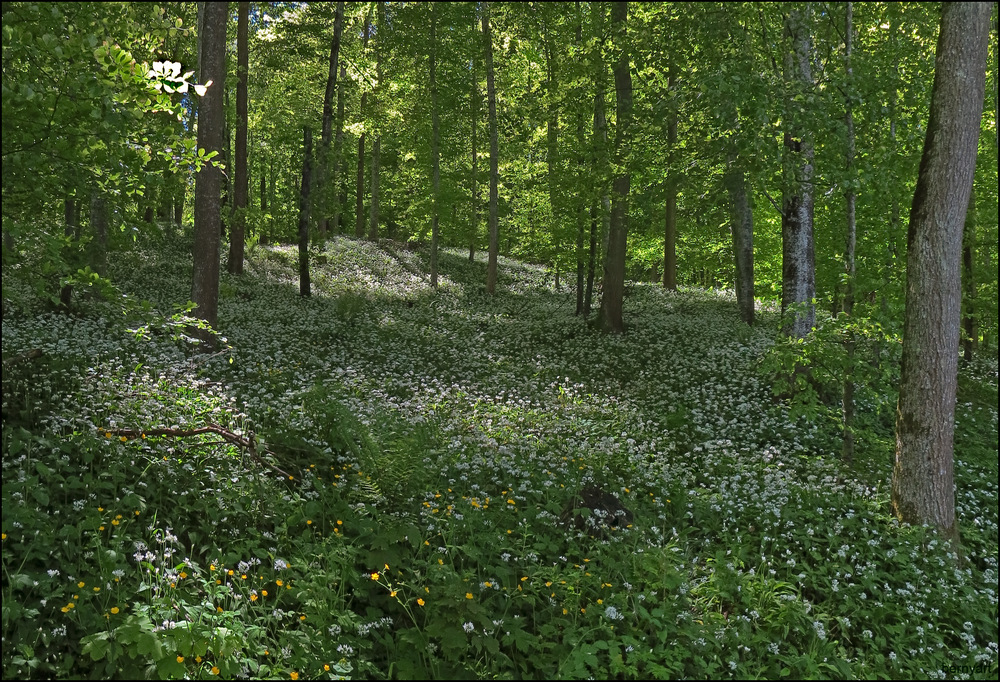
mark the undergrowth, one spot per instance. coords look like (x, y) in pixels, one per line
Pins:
(407, 510)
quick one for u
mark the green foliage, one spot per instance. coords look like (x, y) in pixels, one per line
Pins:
(419, 535)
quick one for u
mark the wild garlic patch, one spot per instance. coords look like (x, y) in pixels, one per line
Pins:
(435, 445)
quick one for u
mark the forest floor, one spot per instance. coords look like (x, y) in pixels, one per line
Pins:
(480, 486)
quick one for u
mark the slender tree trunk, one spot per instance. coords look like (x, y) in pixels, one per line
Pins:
(359, 210)
(338, 150)
(491, 96)
(798, 259)
(324, 169)
(99, 230)
(435, 153)
(69, 230)
(552, 144)
(923, 485)
(208, 181)
(670, 199)
(971, 337)
(850, 196)
(304, 283)
(241, 189)
(614, 266)
(226, 157)
(474, 179)
(581, 197)
(602, 161)
(373, 217)
(588, 297)
(741, 219)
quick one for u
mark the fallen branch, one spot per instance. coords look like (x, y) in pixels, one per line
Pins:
(32, 354)
(247, 443)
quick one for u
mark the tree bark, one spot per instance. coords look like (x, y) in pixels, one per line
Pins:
(614, 266)
(670, 198)
(491, 96)
(850, 196)
(435, 153)
(99, 229)
(208, 182)
(241, 188)
(359, 209)
(581, 197)
(923, 485)
(971, 336)
(304, 283)
(741, 219)
(798, 258)
(373, 216)
(552, 140)
(325, 189)
(474, 179)
(338, 149)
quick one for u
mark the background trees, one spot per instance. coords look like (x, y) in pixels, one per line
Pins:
(751, 127)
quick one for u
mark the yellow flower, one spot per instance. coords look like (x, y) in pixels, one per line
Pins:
(219, 609)
(97, 589)
(115, 522)
(308, 523)
(107, 435)
(81, 584)
(183, 575)
(229, 572)
(123, 439)
(294, 675)
(468, 595)
(65, 609)
(101, 528)
(180, 659)
(197, 659)
(326, 667)
(115, 610)
(253, 597)
(100, 509)
(374, 576)
(215, 670)
(421, 602)
(264, 592)
(392, 593)
(279, 583)
(302, 617)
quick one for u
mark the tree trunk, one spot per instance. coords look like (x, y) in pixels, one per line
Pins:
(670, 199)
(614, 266)
(208, 181)
(373, 216)
(588, 297)
(850, 196)
(241, 186)
(923, 485)
(69, 229)
(304, 284)
(581, 197)
(474, 178)
(338, 150)
(552, 141)
(99, 229)
(435, 154)
(324, 189)
(971, 337)
(601, 213)
(491, 96)
(741, 219)
(798, 259)
(359, 209)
